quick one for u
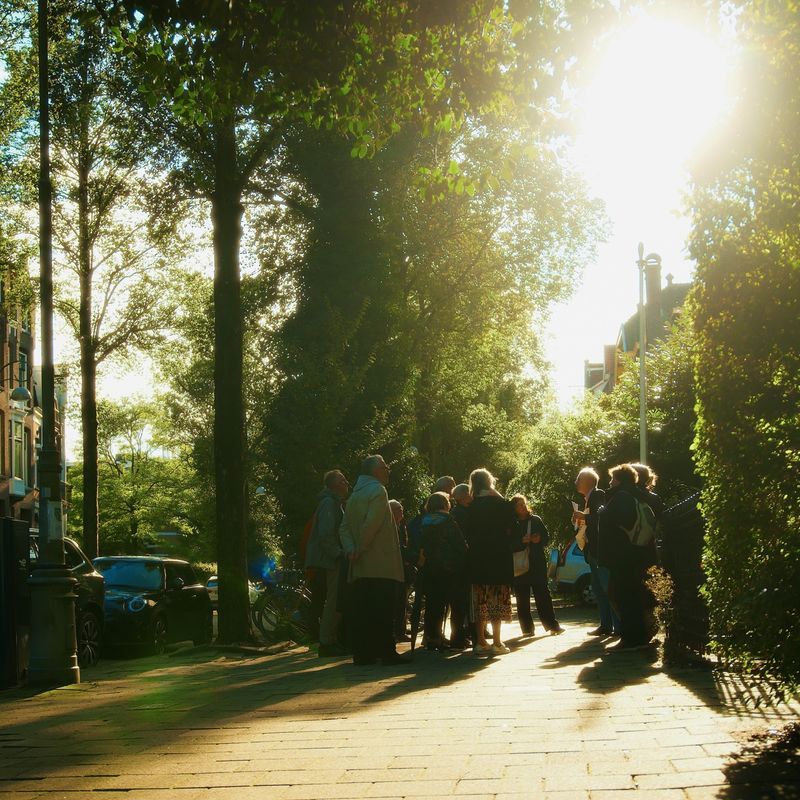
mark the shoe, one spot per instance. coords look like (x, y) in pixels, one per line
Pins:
(500, 649)
(528, 634)
(481, 649)
(556, 631)
(601, 631)
(458, 644)
(395, 660)
(624, 647)
(402, 637)
(331, 651)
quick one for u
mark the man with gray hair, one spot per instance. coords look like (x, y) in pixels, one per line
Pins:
(324, 555)
(445, 484)
(369, 538)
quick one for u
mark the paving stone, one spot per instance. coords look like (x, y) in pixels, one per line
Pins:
(555, 718)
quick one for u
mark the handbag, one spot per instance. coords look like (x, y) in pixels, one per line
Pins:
(522, 562)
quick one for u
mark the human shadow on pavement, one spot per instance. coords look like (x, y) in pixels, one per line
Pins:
(178, 706)
(613, 671)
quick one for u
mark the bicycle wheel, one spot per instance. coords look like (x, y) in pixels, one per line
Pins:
(266, 617)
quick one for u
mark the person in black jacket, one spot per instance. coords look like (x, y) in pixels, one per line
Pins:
(443, 556)
(594, 498)
(532, 534)
(490, 524)
(627, 562)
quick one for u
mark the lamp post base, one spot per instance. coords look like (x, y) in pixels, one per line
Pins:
(53, 656)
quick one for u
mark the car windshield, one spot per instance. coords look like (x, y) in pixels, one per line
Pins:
(131, 574)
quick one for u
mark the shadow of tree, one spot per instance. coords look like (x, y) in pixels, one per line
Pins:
(769, 767)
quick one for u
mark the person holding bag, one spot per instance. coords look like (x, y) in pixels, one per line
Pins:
(530, 539)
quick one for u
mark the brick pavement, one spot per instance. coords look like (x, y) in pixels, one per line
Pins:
(556, 718)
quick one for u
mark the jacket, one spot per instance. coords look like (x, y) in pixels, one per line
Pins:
(443, 545)
(368, 529)
(324, 549)
(596, 499)
(490, 524)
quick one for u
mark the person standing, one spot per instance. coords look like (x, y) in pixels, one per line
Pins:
(324, 555)
(532, 534)
(369, 538)
(462, 499)
(490, 523)
(444, 560)
(627, 562)
(594, 497)
(409, 574)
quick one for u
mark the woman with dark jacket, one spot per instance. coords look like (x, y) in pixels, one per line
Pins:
(628, 563)
(531, 533)
(489, 526)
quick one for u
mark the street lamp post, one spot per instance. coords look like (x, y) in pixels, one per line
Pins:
(53, 656)
(643, 262)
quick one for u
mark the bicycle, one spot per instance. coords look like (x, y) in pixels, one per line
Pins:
(283, 609)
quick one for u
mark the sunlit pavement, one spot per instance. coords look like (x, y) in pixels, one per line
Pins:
(557, 717)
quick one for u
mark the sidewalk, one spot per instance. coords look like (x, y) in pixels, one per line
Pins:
(556, 718)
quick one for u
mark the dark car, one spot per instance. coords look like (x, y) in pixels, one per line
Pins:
(89, 599)
(153, 601)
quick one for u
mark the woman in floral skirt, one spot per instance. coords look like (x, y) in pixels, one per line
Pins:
(490, 523)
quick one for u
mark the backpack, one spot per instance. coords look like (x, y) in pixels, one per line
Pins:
(643, 532)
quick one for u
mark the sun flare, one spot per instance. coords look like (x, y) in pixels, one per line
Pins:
(659, 89)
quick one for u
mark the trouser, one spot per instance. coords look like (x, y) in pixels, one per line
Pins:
(317, 585)
(373, 616)
(329, 623)
(401, 608)
(627, 594)
(601, 576)
(535, 579)
(441, 591)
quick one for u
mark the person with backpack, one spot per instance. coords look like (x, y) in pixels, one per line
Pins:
(443, 556)
(627, 548)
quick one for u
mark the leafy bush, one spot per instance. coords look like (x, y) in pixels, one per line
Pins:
(747, 304)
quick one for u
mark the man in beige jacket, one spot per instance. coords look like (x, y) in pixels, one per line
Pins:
(369, 539)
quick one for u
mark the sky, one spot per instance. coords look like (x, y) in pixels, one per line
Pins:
(658, 89)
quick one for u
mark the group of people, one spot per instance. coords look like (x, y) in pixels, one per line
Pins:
(464, 554)
(616, 529)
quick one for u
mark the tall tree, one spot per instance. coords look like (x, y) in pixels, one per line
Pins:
(428, 300)
(115, 234)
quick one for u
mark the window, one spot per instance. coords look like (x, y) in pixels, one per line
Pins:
(22, 373)
(72, 556)
(17, 450)
(28, 456)
(2, 444)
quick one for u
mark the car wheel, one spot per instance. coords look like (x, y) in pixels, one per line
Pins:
(585, 592)
(158, 639)
(206, 631)
(89, 638)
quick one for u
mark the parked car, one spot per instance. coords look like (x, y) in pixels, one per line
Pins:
(89, 592)
(569, 573)
(153, 601)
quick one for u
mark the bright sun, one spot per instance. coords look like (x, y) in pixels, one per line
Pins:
(658, 90)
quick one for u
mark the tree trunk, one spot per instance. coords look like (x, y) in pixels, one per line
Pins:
(91, 542)
(229, 437)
